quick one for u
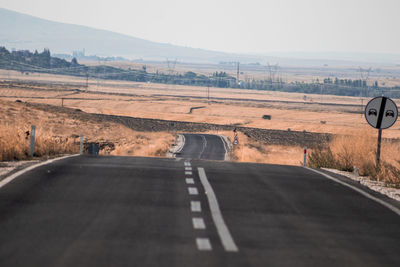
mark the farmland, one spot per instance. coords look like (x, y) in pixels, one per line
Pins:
(275, 123)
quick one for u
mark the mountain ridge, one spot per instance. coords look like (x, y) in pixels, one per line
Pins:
(22, 31)
(26, 32)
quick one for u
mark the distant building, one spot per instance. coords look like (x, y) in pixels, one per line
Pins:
(79, 54)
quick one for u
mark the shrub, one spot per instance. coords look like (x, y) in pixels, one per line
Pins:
(322, 157)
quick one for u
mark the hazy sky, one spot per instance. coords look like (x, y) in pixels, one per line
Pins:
(250, 26)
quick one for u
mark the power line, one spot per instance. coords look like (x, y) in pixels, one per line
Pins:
(198, 80)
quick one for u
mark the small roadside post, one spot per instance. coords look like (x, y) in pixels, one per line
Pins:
(305, 157)
(381, 113)
(235, 137)
(32, 146)
(81, 146)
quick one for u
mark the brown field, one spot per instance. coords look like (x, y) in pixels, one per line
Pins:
(245, 108)
(226, 106)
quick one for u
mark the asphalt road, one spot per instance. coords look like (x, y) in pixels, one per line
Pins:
(130, 211)
(203, 146)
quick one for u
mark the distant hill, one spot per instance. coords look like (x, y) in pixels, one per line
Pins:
(22, 31)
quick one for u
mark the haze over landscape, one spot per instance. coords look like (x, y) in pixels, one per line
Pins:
(259, 31)
(199, 133)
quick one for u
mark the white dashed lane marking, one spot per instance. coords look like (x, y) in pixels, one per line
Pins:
(203, 244)
(198, 223)
(195, 206)
(193, 191)
(189, 181)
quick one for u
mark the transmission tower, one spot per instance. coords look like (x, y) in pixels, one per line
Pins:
(171, 65)
(364, 75)
(273, 73)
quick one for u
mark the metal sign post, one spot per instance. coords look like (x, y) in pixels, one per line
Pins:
(381, 113)
(378, 150)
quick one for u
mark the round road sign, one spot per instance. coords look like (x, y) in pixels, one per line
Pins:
(381, 112)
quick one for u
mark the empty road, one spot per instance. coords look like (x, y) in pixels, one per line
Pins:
(187, 211)
(204, 146)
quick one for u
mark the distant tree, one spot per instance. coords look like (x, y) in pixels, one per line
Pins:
(74, 61)
(190, 75)
(336, 81)
(44, 58)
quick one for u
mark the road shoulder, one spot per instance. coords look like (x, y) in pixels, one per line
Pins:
(14, 169)
(362, 187)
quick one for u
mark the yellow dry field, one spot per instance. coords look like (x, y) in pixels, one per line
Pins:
(226, 106)
(295, 111)
(59, 133)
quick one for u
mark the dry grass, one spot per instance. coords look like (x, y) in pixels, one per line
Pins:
(146, 144)
(249, 150)
(348, 151)
(58, 133)
(14, 144)
(171, 102)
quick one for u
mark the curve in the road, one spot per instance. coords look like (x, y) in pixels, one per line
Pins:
(203, 146)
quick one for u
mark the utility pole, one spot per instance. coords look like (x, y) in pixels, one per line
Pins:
(238, 72)
(87, 80)
(321, 91)
(208, 93)
(9, 81)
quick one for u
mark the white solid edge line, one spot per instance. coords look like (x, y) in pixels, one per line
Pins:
(183, 143)
(204, 145)
(15, 175)
(203, 244)
(225, 145)
(365, 194)
(222, 229)
(195, 206)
